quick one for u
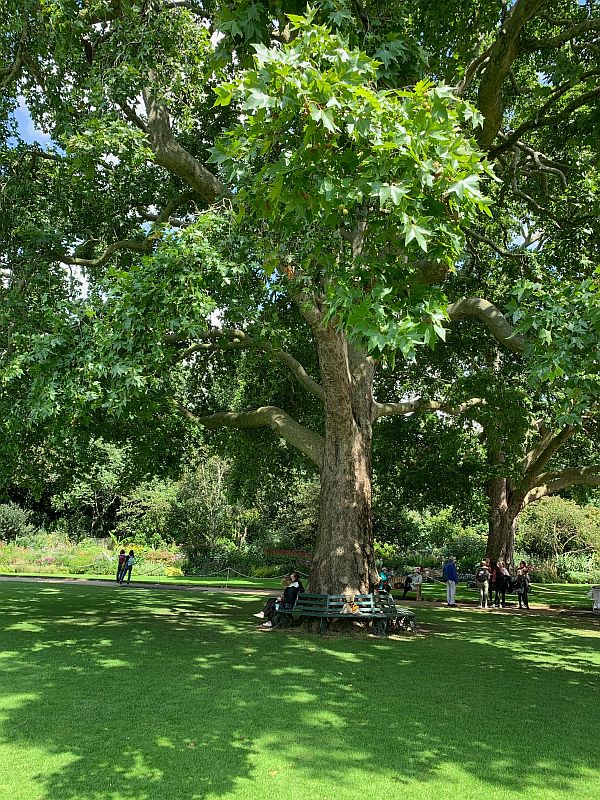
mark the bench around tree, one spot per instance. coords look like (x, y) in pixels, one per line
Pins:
(379, 609)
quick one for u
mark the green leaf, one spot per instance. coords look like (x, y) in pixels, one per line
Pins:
(414, 231)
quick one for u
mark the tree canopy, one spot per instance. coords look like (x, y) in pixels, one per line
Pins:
(324, 188)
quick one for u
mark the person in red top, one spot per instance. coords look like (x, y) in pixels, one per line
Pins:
(121, 565)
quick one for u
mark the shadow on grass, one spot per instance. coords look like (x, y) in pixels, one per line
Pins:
(119, 694)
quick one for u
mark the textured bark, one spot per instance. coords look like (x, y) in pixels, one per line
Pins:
(344, 560)
(502, 520)
(500, 58)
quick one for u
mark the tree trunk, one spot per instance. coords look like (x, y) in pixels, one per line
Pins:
(502, 520)
(344, 559)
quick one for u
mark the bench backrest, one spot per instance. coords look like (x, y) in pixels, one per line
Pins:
(334, 603)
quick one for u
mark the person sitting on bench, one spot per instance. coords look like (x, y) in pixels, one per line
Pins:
(292, 587)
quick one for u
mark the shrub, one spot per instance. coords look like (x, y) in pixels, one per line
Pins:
(15, 522)
(468, 548)
(267, 571)
(173, 572)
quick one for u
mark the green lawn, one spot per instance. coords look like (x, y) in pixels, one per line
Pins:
(109, 694)
(559, 595)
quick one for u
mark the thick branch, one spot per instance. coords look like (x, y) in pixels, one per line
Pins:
(541, 121)
(305, 440)
(552, 482)
(491, 317)
(561, 38)
(126, 244)
(169, 153)
(11, 73)
(490, 242)
(501, 56)
(417, 406)
(549, 444)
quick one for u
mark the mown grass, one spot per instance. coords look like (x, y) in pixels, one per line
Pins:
(556, 595)
(108, 694)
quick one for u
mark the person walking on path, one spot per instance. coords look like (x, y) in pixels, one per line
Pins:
(127, 568)
(121, 565)
(482, 581)
(450, 575)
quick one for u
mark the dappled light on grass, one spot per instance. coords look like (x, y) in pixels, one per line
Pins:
(107, 695)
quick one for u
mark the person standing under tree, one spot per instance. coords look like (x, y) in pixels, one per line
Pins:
(482, 581)
(450, 575)
(522, 585)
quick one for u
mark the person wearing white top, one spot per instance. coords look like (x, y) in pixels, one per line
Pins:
(417, 581)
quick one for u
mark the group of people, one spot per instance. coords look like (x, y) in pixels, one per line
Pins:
(124, 566)
(292, 586)
(491, 578)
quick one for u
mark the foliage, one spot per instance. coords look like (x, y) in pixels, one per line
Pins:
(312, 109)
(96, 484)
(15, 522)
(555, 527)
(562, 322)
(144, 514)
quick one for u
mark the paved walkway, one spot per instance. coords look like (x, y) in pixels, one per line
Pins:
(186, 587)
(535, 608)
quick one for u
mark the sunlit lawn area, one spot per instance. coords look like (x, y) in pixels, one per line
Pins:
(109, 694)
(559, 595)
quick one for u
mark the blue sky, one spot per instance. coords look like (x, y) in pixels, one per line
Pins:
(26, 127)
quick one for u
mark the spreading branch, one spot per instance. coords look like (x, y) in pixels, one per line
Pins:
(491, 317)
(12, 72)
(530, 45)
(552, 482)
(542, 120)
(308, 442)
(171, 155)
(501, 56)
(127, 244)
(421, 405)
(479, 237)
(548, 445)
(132, 245)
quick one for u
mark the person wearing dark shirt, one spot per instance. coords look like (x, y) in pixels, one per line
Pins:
(450, 575)
(292, 588)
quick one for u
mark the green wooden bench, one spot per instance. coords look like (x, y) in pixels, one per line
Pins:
(379, 609)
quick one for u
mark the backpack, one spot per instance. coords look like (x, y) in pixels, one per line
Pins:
(482, 575)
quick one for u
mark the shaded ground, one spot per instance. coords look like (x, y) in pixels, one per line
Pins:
(122, 695)
(543, 597)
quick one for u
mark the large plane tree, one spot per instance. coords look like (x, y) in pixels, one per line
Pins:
(297, 183)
